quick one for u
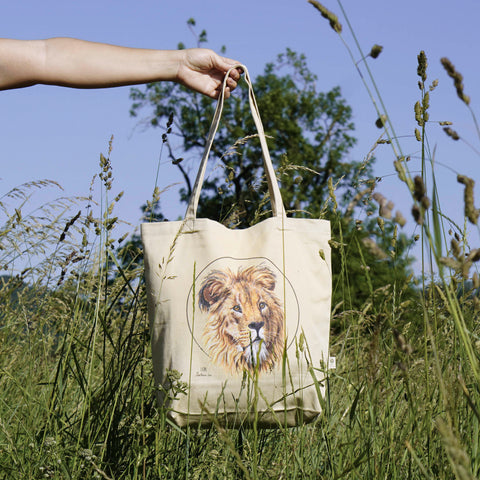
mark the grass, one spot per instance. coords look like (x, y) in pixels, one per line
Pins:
(76, 383)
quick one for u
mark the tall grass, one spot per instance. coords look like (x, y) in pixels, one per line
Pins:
(76, 384)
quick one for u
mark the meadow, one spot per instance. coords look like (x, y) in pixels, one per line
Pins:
(77, 397)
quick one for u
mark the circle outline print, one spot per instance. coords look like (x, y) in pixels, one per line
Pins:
(223, 263)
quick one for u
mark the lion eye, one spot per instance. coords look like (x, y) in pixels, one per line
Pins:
(237, 308)
(262, 305)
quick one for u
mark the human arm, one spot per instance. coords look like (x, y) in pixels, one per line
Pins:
(80, 64)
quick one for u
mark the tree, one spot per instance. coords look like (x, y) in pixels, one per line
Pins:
(310, 136)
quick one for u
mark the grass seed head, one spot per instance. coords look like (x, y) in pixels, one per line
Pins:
(381, 120)
(457, 79)
(385, 207)
(418, 114)
(417, 215)
(451, 133)
(422, 65)
(68, 225)
(419, 192)
(426, 101)
(170, 120)
(450, 263)
(474, 255)
(470, 211)
(401, 342)
(374, 248)
(400, 219)
(456, 250)
(419, 188)
(425, 202)
(357, 198)
(465, 269)
(330, 16)
(400, 168)
(331, 192)
(376, 51)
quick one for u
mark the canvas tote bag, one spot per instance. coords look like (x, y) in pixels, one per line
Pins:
(242, 314)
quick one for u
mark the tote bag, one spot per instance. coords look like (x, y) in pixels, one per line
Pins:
(242, 315)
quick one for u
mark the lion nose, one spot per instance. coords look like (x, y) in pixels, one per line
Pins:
(256, 326)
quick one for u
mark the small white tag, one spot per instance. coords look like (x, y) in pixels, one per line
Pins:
(332, 363)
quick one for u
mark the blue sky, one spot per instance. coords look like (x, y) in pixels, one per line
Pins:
(58, 133)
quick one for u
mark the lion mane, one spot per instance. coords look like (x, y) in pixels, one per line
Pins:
(245, 328)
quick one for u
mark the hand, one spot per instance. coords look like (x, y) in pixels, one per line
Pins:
(202, 70)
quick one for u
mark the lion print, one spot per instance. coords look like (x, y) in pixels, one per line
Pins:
(244, 329)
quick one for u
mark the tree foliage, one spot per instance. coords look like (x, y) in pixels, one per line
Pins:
(310, 137)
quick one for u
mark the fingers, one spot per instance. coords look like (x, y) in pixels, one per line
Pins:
(230, 86)
(224, 64)
(234, 75)
(217, 91)
(231, 83)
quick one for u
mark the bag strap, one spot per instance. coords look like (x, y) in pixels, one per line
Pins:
(274, 190)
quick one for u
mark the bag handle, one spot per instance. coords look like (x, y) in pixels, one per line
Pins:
(274, 191)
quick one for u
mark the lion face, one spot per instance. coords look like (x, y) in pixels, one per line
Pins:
(244, 329)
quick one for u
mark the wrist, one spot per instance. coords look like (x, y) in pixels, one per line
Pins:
(168, 64)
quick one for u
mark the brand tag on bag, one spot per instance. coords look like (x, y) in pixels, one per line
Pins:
(332, 363)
